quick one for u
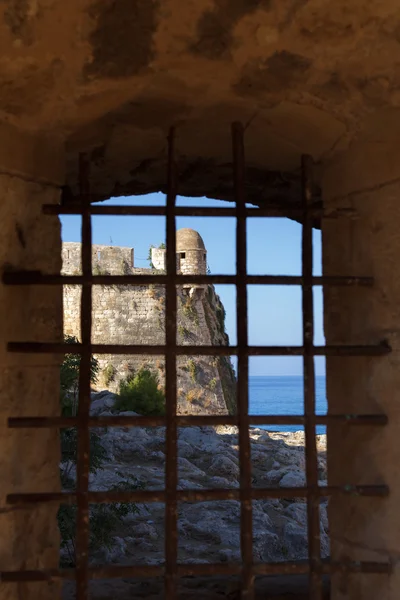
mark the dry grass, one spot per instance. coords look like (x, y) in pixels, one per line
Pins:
(194, 396)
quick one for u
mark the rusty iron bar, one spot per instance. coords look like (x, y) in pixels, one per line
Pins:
(245, 475)
(171, 434)
(193, 421)
(295, 212)
(143, 571)
(381, 349)
(83, 445)
(311, 454)
(37, 278)
(196, 495)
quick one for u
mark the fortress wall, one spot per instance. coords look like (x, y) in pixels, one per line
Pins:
(136, 315)
(106, 260)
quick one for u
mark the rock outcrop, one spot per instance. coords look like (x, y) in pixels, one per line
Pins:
(208, 458)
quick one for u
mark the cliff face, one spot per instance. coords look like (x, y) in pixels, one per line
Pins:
(136, 315)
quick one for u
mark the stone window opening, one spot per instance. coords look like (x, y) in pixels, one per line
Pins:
(182, 255)
(249, 574)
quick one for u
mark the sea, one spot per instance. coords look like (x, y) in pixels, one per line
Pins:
(283, 395)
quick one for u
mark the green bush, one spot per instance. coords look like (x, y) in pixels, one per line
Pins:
(141, 393)
(109, 374)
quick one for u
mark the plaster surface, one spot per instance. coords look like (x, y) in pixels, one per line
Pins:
(111, 77)
(363, 528)
(29, 384)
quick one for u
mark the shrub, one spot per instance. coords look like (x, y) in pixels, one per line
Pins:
(189, 310)
(183, 332)
(192, 368)
(194, 396)
(141, 394)
(103, 519)
(69, 378)
(109, 374)
(69, 453)
(212, 383)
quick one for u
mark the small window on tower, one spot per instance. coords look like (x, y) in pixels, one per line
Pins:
(98, 254)
(182, 255)
(205, 256)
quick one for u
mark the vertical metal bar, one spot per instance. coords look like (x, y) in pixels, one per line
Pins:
(314, 548)
(171, 535)
(246, 520)
(82, 533)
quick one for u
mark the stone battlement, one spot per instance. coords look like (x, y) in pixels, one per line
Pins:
(191, 257)
(107, 260)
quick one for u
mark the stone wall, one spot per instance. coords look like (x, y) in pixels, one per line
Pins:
(192, 261)
(29, 384)
(136, 315)
(159, 258)
(106, 260)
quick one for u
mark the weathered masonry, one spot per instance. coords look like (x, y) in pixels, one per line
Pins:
(107, 80)
(124, 314)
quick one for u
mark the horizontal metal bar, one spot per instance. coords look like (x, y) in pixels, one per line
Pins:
(183, 570)
(325, 568)
(58, 348)
(198, 211)
(193, 421)
(38, 278)
(198, 495)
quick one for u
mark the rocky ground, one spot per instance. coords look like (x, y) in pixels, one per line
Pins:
(208, 458)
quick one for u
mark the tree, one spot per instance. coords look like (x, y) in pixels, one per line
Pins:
(103, 518)
(69, 379)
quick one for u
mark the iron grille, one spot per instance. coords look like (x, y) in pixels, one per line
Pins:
(305, 211)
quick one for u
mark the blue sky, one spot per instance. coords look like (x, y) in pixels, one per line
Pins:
(274, 248)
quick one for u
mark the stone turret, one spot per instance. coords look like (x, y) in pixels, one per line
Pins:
(191, 257)
(191, 252)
